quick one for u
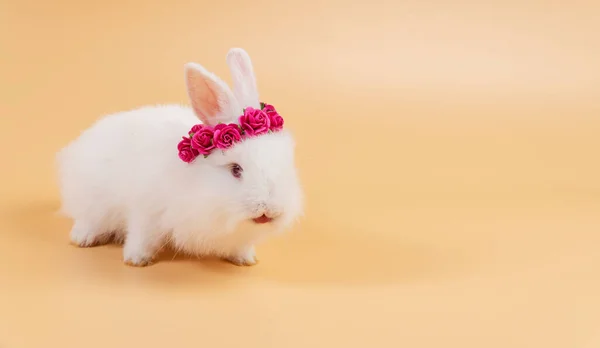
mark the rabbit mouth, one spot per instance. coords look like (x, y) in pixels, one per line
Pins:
(263, 219)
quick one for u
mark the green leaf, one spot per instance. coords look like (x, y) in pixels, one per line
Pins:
(262, 105)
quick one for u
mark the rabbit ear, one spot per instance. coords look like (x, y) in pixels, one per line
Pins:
(244, 82)
(210, 97)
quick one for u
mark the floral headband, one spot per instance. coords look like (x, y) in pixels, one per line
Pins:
(203, 139)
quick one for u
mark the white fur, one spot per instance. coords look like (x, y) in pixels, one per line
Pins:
(122, 178)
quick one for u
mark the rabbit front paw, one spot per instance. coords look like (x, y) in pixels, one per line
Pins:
(139, 261)
(138, 255)
(85, 235)
(244, 257)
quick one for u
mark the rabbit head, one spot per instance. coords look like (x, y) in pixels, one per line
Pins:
(255, 181)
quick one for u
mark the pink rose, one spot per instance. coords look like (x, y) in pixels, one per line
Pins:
(202, 141)
(196, 129)
(226, 135)
(254, 122)
(275, 119)
(186, 153)
(267, 108)
(184, 143)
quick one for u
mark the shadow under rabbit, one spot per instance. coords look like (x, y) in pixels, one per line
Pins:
(353, 256)
(308, 255)
(38, 227)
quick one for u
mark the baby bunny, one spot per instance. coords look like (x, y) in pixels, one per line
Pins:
(211, 180)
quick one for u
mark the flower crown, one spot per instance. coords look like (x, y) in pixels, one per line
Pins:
(203, 139)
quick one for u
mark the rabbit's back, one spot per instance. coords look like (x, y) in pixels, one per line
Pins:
(119, 159)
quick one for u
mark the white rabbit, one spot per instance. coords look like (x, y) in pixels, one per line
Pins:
(122, 178)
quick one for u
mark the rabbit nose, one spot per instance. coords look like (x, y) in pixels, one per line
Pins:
(269, 211)
(272, 214)
(262, 207)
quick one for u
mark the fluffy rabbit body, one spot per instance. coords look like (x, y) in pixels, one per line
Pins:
(122, 178)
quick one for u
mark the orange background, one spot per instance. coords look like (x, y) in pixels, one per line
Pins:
(449, 154)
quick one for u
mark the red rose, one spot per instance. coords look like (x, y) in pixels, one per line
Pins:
(195, 129)
(226, 135)
(202, 141)
(254, 122)
(275, 119)
(186, 152)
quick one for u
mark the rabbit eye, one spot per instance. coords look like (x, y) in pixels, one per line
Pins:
(236, 170)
